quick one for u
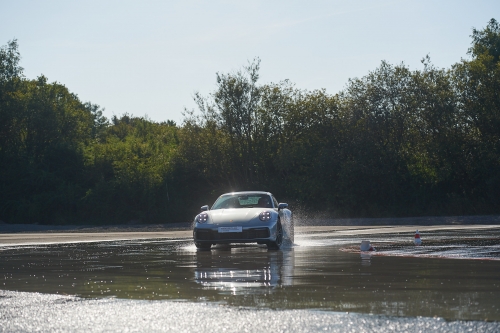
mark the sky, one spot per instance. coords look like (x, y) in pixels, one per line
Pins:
(148, 58)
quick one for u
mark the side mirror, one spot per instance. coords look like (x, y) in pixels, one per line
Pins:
(204, 208)
(282, 206)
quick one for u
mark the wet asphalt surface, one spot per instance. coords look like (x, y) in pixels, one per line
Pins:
(323, 283)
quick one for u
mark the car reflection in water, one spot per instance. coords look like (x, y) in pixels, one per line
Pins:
(244, 269)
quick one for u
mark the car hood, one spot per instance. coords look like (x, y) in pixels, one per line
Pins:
(236, 215)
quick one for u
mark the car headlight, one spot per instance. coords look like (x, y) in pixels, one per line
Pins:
(202, 218)
(265, 216)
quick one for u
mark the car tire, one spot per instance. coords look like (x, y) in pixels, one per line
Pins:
(279, 238)
(203, 246)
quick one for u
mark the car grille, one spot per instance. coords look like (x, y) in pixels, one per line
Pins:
(245, 235)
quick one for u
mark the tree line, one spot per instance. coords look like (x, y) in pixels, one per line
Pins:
(396, 142)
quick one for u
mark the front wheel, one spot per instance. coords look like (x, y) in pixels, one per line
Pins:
(203, 246)
(279, 238)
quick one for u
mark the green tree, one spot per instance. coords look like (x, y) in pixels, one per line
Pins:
(232, 108)
(9, 62)
(486, 41)
(130, 170)
(42, 160)
(10, 79)
(477, 83)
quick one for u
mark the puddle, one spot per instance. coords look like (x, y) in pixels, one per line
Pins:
(312, 274)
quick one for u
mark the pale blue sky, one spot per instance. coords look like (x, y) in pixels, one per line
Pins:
(149, 57)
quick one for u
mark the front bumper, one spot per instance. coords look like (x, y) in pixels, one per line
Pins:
(203, 233)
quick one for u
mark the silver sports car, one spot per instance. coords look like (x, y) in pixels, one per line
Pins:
(244, 217)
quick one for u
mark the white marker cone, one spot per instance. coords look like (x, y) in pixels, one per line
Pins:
(366, 246)
(417, 240)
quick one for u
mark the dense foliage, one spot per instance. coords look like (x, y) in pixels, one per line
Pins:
(396, 142)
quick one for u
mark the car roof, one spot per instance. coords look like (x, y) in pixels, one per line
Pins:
(247, 192)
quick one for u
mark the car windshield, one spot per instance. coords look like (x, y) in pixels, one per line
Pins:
(243, 201)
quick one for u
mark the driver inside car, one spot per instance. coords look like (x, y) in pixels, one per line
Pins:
(264, 202)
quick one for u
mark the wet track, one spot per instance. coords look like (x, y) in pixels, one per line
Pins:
(391, 289)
